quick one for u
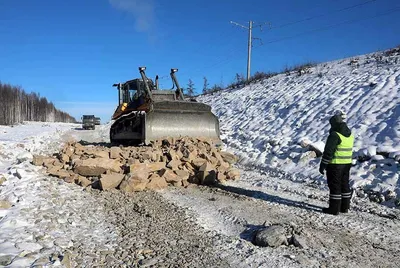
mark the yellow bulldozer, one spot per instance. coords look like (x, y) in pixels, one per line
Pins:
(145, 113)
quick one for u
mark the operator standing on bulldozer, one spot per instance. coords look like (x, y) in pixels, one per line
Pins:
(336, 160)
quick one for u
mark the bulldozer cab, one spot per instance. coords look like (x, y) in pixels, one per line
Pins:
(133, 90)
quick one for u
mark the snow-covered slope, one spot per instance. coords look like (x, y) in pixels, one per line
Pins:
(266, 121)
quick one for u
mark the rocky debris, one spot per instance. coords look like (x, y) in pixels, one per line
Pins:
(153, 233)
(299, 242)
(175, 162)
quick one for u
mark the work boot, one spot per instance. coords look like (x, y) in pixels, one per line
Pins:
(334, 207)
(345, 205)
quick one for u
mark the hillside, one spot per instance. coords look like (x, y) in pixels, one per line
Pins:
(266, 122)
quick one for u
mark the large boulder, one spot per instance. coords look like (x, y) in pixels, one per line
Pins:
(170, 176)
(96, 166)
(152, 167)
(135, 181)
(115, 152)
(156, 183)
(110, 181)
(271, 236)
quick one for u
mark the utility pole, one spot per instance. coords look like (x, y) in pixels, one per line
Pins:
(250, 43)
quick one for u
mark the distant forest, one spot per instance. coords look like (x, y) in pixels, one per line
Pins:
(17, 106)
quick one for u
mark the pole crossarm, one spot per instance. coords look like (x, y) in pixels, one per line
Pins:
(240, 25)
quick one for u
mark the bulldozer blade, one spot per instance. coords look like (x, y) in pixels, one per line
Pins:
(181, 118)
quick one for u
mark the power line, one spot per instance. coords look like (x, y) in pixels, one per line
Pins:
(334, 25)
(322, 15)
(388, 12)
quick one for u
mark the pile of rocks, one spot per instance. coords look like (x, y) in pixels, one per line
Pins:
(177, 162)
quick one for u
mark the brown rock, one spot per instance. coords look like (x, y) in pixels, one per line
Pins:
(174, 164)
(198, 162)
(55, 163)
(189, 167)
(101, 154)
(110, 181)
(74, 157)
(217, 155)
(169, 176)
(40, 160)
(156, 166)
(173, 155)
(228, 157)
(115, 152)
(147, 155)
(207, 167)
(185, 183)
(224, 166)
(60, 173)
(182, 174)
(135, 181)
(69, 150)
(96, 167)
(156, 183)
(125, 154)
(221, 177)
(155, 156)
(4, 204)
(233, 174)
(2, 180)
(64, 158)
(70, 179)
(83, 181)
(132, 161)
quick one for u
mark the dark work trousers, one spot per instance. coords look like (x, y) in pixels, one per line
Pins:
(339, 188)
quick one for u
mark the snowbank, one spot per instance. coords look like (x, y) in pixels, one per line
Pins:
(265, 121)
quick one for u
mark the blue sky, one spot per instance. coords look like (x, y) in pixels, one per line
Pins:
(71, 52)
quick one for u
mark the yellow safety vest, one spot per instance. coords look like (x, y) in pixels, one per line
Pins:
(344, 151)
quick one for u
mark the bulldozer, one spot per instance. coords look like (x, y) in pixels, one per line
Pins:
(146, 113)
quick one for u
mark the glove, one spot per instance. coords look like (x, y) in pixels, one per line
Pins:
(322, 168)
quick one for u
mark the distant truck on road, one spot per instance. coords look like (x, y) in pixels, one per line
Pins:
(97, 120)
(88, 122)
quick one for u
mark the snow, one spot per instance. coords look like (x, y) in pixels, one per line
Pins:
(43, 209)
(265, 122)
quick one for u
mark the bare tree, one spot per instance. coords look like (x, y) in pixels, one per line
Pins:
(205, 85)
(190, 88)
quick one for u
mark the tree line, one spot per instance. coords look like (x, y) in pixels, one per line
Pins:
(17, 106)
(240, 81)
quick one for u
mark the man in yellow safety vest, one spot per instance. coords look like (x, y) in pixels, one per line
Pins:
(336, 160)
